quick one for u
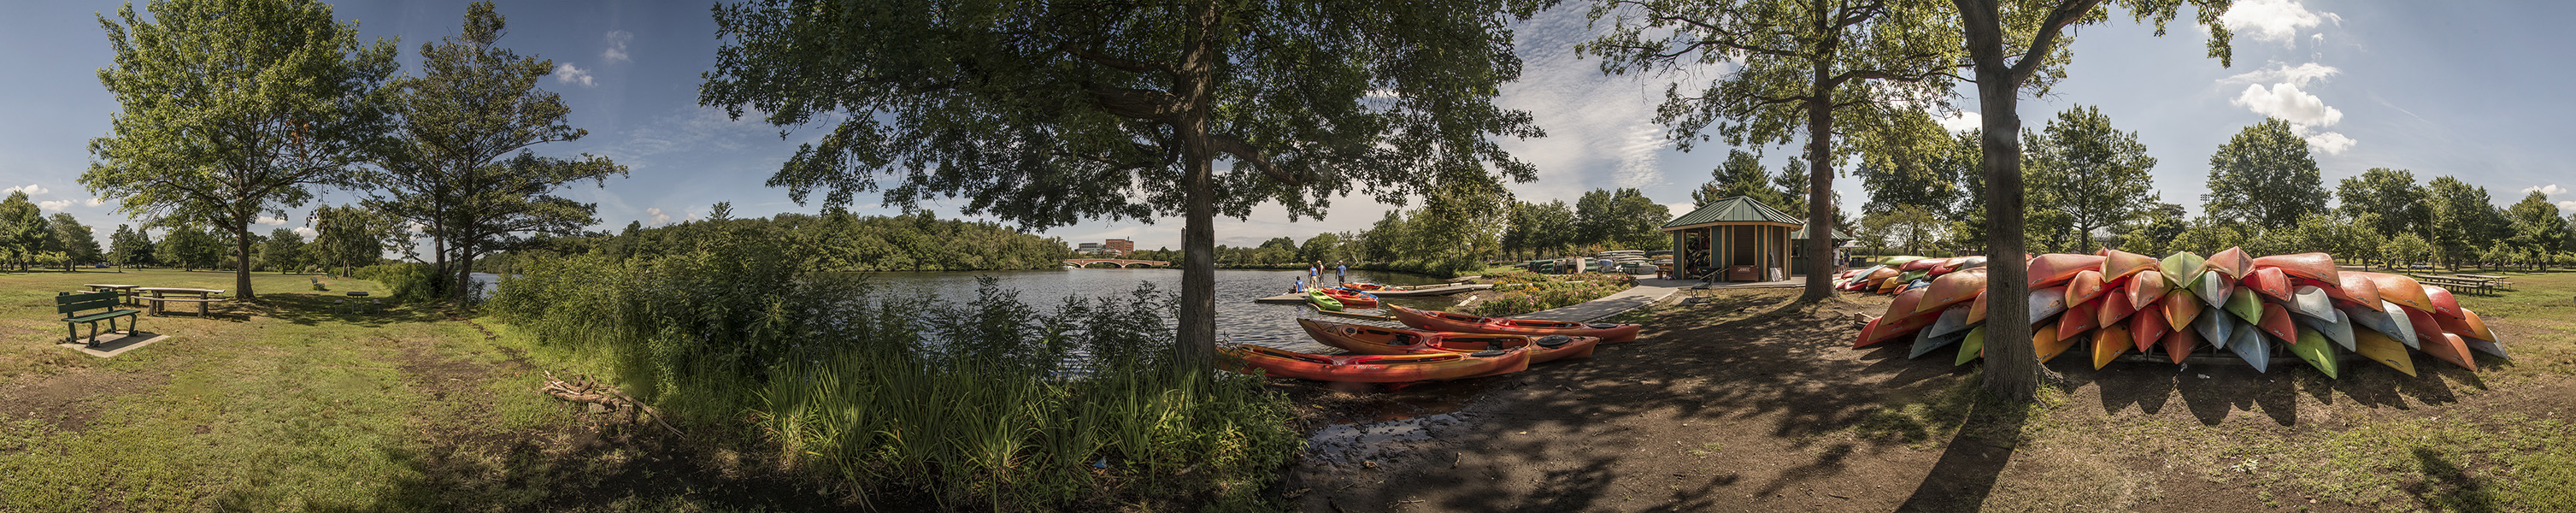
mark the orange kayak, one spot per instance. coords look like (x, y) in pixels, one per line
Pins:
(2313, 266)
(1373, 368)
(2443, 304)
(2357, 289)
(2147, 287)
(2450, 348)
(1977, 310)
(2427, 329)
(2086, 285)
(2079, 318)
(2118, 265)
(2277, 321)
(2270, 282)
(2401, 290)
(2180, 343)
(2232, 263)
(1951, 289)
(2115, 308)
(2055, 269)
(2146, 329)
(2046, 342)
(2181, 306)
(1365, 339)
(1444, 321)
(2468, 325)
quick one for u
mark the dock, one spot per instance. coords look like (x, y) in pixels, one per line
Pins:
(1300, 297)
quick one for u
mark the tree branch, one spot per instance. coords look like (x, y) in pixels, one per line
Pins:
(2066, 13)
(1243, 151)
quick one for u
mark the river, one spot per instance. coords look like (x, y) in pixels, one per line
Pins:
(1238, 319)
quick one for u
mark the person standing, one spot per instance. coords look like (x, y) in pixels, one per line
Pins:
(1341, 273)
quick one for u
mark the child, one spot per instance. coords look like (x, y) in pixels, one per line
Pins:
(1301, 286)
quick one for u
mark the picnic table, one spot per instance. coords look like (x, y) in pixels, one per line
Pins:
(2498, 281)
(125, 293)
(159, 295)
(2458, 283)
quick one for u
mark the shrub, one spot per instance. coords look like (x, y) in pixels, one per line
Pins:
(1529, 297)
(405, 281)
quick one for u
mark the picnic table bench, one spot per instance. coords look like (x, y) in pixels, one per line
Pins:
(71, 304)
(2457, 283)
(160, 295)
(2498, 280)
(125, 292)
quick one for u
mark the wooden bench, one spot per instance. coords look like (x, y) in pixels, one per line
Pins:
(72, 304)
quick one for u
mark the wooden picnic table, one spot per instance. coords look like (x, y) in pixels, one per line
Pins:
(125, 293)
(161, 295)
(2458, 283)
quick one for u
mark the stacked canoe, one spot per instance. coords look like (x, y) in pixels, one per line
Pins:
(2113, 302)
(1435, 346)
(1899, 274)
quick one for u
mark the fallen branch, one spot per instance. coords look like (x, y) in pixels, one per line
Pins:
(583, 390)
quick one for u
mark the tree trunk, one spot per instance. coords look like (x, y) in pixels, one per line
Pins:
(241, 252)
(2012, 369)
(1195, 350)
(1820, 188)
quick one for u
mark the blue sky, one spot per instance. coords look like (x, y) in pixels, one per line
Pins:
(2466, 89)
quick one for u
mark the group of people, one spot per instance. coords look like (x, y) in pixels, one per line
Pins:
(1315, 275)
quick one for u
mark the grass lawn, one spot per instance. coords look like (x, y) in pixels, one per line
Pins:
(285, 405)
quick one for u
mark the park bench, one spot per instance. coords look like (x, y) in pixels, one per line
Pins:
(71, 305)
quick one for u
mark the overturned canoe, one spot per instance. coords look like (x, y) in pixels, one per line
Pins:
(2232, 263)
(2401, 290)
(2146, 329)
(2108, 343)
(2318, 352)
(2313, 266)
(2248, 343)
(2386, 351)
(1951, 289)
(2119, 265)
(2269, 282)
(2055, 269)
(1971, 347)
(2182, 268)
(2180, 307)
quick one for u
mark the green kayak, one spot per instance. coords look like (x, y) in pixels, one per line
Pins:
(2319, 352)
(1323, 302)
(2183, 269)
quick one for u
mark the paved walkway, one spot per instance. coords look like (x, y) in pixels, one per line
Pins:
(1641, 295)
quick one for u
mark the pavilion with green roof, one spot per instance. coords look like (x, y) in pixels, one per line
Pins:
(1739, 239)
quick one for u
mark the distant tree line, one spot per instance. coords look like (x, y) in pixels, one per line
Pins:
(835, 241)
(1462, 234)
(2090, 186)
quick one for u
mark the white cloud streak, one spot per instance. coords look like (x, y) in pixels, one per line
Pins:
(305, 231)
(2300, 75)
(617, 40)
(54, 205)
(570, 74)
(1962, 121)
(657, 216)
(2551, 189)
(2274, 20)
(272, 221)
(30, 189)
(2567, 205)
(96, 201)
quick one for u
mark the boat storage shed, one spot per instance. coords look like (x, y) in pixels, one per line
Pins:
(1739, 239)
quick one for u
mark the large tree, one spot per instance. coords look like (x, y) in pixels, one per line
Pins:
(189, 248)
(1912, 162)
(2389, 198)
(2536, 226)
(348, 236)
(23, 230)
(79, 245)
(2018, 46)
(233, 110)
(2463, 220)
(1622, 217)
(1813, 67)
(129, 246)
(1741, 175)
(463, 171)
(1047, 114)
(2097, 176)
(2264, 177)
(284, 250)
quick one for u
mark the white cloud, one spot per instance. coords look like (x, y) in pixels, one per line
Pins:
(305, 231)
(272, 221)
(1962, 121)
(97, 201)
(2329, 143)
(30, 189)
(658, 217)
(617, 40)
(570, 74)
(54, 205)
(2551, 189)
(2567, 205)
(2300, 75)
(2287, 102)
(2274, 20)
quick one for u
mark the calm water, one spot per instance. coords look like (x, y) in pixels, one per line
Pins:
(1238, 318)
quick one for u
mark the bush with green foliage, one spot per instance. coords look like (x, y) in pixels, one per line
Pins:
(405, 281)
(1520, 297)
(992, 404)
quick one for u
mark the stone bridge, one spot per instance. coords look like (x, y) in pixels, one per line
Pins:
(1087, 262)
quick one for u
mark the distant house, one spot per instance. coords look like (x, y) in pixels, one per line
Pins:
(1087, 248)
(1119, 247)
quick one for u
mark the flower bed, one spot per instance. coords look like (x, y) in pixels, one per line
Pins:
(1531, 296)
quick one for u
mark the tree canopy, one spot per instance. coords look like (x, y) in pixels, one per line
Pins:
(1046, 114)
(2390, 196)
(2093, 175)
(233, 110)
(2264, 177)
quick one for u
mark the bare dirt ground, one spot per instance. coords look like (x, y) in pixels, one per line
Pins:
(1728, 405)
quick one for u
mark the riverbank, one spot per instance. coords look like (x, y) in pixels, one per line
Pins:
(1730, 404)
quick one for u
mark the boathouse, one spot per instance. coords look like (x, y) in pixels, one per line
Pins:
(1738, 239)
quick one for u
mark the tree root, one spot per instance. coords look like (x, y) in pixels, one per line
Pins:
(583, 390)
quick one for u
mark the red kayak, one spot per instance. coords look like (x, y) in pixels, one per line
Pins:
(1444, 321)
(1351, 298)
(1365, 339)
(2055, 269)
(1372, 368)
(2313, 266)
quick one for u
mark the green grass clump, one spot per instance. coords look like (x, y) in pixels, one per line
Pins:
(1526, 297)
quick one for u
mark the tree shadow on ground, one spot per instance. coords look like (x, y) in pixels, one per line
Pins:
(312, 309)
(1972, 460)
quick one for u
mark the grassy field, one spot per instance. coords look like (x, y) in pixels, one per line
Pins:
(285, 405)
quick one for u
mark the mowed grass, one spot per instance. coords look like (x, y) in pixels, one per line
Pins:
(282, 405)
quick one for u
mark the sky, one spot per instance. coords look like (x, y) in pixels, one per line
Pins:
(2469, 89)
